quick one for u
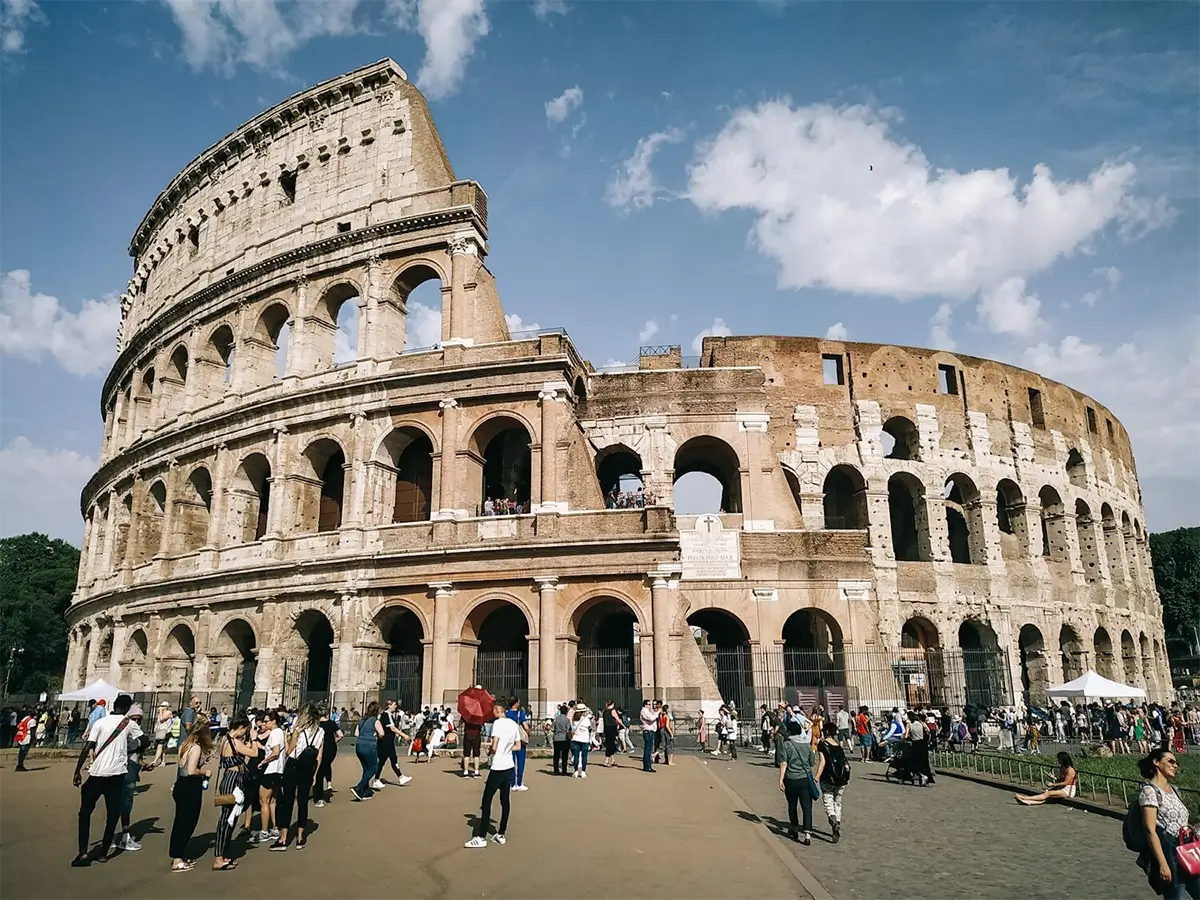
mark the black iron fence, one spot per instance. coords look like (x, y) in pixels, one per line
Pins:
(503, 673)
(605, 674)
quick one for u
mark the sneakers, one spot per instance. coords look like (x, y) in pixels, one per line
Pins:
(575, 774)
(274, 832)
(404, 779)
(499, 839)
(354, 794)
(837, 831)
(302, 843)
(583, 774)
(521, 787)
(475, 843)
(81, 862)
(278, 847)
(260, 837)
(128, 843)
(377, 785)
(319, 804)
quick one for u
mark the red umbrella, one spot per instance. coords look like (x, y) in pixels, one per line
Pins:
(475, 706)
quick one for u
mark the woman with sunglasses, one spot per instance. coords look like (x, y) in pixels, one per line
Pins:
(1164, 816)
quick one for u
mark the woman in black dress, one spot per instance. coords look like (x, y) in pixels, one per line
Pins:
(612, 728)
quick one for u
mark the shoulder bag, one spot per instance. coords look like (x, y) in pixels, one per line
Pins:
(228, 799)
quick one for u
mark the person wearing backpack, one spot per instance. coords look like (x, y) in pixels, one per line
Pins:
(304, 748)
(833, 774)
(1156, 824)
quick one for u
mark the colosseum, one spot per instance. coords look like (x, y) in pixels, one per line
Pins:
(275, 520)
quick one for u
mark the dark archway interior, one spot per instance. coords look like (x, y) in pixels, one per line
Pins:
(333, 486)
(507, 466)
(619, 469)
(902, 508)
(718, 628)
(608, 625)
(504, 628)
(318, 637)
(812, 650)
(1034, 676)
(976, 636)
(725, 647)
(414, 481)
(714, 458)
(956, 524)
(918, 634)
(404, 632)
(901, 440)
(845, 500)
(405, 660)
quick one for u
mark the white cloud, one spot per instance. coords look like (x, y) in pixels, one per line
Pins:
(15, 18)
(35, 325)
(1008, 309)
(837, 332)
(717, 329)
(544, 9)
(564, 104)
(424, 326)
(517, 325)
(345, 339)
(618, 365)
(649, 330)
(40, 490)
(842, 203)
(1111, 275)
(939, 328)
(633, 185)
(1089, 299)
(451, 29)
(222, 34)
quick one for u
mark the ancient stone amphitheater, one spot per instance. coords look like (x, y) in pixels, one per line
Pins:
(275, 520)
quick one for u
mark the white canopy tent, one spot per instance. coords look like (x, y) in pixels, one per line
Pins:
(97, 690)
(1093, 686)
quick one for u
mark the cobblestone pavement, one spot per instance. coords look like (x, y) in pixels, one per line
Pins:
(951, 839)
(621, 833)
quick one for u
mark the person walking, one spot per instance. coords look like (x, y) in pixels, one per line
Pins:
(108, 745)
(581, 740)
(649, 720)
(191, 780)
(516, 714)
(230, 784)
(323, 786)
(133, 769)
(1163, 820)
(918, 746)
(701, 730)
(562, 741)
(24, 738)
(797, 780)
(389, 719)
(833, 774)
(366, 748)
(299, 773)
(505, 738)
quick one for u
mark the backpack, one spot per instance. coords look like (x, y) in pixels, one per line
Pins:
(1133, 828)
(308, 756)
(839, 768)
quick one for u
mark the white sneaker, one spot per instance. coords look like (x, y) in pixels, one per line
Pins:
(319, 804)
(475, 843)
(575, 774)
(499, 839)
(521, 787)
(377, 785)
(583, 774)
(404, 779)
(128, 843)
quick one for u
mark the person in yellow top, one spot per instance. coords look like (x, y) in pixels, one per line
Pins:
(818, 725)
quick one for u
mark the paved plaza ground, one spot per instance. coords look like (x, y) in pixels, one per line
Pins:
(699, 829)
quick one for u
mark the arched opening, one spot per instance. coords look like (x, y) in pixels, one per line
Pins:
(409, 453)
(323, 492)
(606, 658)
(1076, 469)
(1085, 531)
(402, 631)
(124, 413)
(1103, 646)
(250, 499)
(725, 646)
(502, 443)
(1071, 653)
(901, 440)
(144, 403)
(845, 499)
(1035, 672)
(579, 389)
(85, 661)
(1054, 536)
(313, 676)
(1112, 552)
(339, 315)
(150, 522)
(176, 662)
(193, 509)
(813, 655)
(1010, 520)
(921, 669)
(918, 633)
(499, 634)
(983, 665)
(1129, 659)
(104, 653)
(707, 477)
(910, 524)
(964, 520)
(619, 471)
(239, 643)
(124, 522)
(1147, 667)
(133, 659)
(793, 483)
(418, 323)
(266, 348)
(1131, 554)
(173, 383)
(222, 345)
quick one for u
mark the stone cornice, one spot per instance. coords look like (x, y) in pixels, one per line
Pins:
(141, 341)
(260, 130)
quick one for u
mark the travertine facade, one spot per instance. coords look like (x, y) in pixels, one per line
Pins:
(260, 507)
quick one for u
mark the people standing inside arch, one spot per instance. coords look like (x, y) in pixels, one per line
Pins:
(505, 738)
(323, 786)
(108, 745)
(517, 715)
(389, 719)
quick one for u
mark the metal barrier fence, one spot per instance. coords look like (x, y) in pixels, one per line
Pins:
(1111, 790)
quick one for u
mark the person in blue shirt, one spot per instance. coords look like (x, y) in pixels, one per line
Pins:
(518, 715)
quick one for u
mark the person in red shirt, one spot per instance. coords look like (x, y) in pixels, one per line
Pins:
(862, 730)
(24, 738)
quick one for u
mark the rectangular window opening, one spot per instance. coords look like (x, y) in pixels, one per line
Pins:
(194, 237)
(832, 370)
(287, 181)
(947, 379)
(1036, 416)
(1112, 437)
(343, 227)
(1091, 420)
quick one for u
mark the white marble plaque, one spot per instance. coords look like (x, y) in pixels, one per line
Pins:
(709, 551)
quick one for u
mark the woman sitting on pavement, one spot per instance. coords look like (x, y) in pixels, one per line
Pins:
(1064, 787)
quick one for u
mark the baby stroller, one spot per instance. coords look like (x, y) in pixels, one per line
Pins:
(900, 765)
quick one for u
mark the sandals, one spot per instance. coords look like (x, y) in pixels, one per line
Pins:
(227, 866)
(186, 867)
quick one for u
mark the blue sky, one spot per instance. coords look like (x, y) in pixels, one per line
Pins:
(656, 172)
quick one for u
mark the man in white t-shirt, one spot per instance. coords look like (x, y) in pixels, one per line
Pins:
(843, 728)
(109, 742)
(505, 739)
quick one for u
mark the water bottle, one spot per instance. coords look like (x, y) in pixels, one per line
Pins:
(204, 784)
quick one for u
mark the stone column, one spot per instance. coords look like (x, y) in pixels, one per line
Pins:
(278, 482)
(754, 426)
(356, 472)
(216, 516)
(440, 677)
(547, 641)
(110, 536)
(299, 353)
(85, 557)
(447, 505)
(370, 331)
(458, 321)
(660, 619)
(137, 509)
(168, 519)
(549, 397)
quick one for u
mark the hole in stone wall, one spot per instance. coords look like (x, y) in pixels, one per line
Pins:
(947, 379)
(831, 369)
(287, 181)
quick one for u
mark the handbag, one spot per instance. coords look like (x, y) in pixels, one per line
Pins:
(228, 799)
(813, 787)
(1188, 857)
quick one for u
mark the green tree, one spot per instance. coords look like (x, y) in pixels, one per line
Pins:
(1175, 556)
(37, 578)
